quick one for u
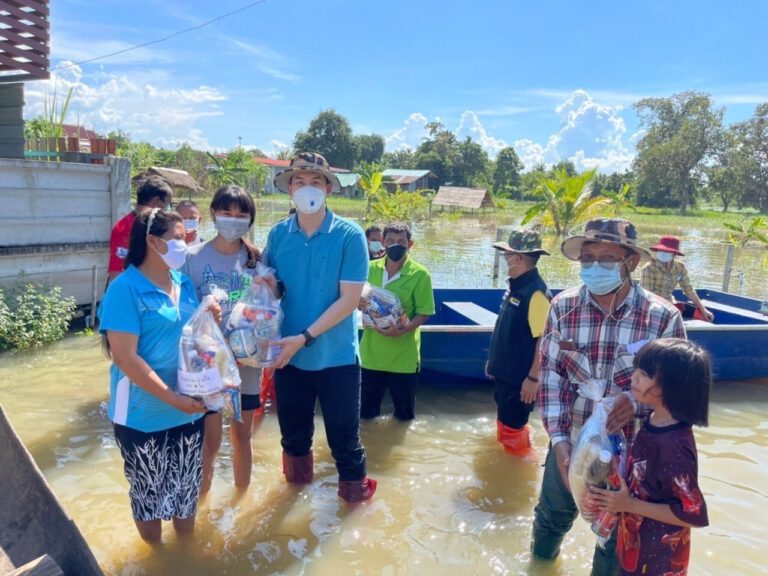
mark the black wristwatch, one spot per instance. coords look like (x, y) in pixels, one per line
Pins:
(307, 337)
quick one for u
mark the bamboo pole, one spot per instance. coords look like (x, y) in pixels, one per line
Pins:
(728, 267)
(497, 255)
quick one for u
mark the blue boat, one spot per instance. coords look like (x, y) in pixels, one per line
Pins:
(455, 341)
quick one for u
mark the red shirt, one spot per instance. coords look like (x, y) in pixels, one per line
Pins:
(119, 241)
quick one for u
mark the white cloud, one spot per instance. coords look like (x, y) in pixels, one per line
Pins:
(265, 60)
(412, 133)
(591, 135)
(276, 147)
(148, 105)
(470, 125)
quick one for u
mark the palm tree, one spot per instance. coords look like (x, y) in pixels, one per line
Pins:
(565, 200)
(619, 200)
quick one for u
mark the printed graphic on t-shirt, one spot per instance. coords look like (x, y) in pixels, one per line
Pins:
(121, 252)
(233, 283)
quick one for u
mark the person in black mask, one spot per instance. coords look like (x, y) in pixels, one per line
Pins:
(390, 357)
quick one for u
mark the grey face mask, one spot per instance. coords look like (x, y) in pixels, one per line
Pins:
(232, 228)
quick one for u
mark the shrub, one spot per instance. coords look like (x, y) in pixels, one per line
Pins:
(33, 314)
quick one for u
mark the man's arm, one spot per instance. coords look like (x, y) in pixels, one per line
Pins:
(687, 287)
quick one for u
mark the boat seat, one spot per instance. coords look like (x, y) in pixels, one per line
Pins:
(473, 312)
(718, 306)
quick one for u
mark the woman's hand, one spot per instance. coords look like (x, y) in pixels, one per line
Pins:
(614, 501)
(187, 404)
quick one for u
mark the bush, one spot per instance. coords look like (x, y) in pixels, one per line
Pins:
(32, 314)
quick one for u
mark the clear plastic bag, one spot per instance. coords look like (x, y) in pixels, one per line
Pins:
(381, 308)
(254, 324)
(207, 368)
(586, 467)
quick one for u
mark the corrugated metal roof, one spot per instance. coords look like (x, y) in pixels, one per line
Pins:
(349, 179)
(467, 198)
(414, 174)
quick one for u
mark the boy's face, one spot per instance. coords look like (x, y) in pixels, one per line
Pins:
(188, 213)
(392, 238)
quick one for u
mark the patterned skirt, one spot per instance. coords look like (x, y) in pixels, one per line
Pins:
(164, 470)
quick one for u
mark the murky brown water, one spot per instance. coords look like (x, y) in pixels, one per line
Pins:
(450, 501)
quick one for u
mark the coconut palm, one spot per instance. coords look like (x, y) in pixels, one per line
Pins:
(566, 201)
(619, 200)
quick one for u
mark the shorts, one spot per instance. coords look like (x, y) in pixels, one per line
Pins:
(247, 402)
(164, 470)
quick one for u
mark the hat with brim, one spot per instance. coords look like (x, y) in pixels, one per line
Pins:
(668, 244)
(306, 162)
(605, 230)
(522, 241)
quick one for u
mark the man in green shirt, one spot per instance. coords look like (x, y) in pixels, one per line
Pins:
(390, 358)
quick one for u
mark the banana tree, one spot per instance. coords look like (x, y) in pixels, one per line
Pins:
(741, 235)
(619, 200)
(371, 183)
(566, 201)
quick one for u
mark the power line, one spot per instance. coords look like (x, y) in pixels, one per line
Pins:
(159, 40)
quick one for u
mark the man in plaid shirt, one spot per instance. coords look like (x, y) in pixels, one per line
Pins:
(591, 336)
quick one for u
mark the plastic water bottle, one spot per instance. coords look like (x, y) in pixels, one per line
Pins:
(600, 469)
(189, 351)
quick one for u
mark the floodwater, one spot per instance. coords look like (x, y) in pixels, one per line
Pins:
(450, 501)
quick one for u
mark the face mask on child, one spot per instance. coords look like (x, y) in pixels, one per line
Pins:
(232, 228)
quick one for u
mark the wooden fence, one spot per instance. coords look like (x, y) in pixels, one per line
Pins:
(72, 149)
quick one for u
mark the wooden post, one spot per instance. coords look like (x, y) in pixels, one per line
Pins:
(728, 267)
(94, 277)
(497, 255)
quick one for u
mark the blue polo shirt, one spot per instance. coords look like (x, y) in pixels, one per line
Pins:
(134, 305)
(311, 269)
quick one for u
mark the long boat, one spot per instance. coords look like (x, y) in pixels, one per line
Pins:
(33, 523)
(455, 341)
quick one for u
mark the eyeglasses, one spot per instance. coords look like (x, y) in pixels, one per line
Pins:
(606, 262)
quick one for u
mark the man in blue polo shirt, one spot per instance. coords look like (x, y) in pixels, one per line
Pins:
(321, 263)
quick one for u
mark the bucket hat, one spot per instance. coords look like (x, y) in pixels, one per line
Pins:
(668, 244)
(611, 230)
(303, 162)
(522, 241)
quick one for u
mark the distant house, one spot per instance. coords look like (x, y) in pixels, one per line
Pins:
(275, 167)
(408, 180)
(459, 198)
(85, 135)
(179, 179)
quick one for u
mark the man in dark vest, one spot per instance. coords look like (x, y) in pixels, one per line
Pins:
(513, 361)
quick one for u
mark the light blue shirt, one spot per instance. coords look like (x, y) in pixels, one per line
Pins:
(311, 269)
(134, 305)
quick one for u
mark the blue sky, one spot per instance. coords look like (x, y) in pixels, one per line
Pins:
(555, 79)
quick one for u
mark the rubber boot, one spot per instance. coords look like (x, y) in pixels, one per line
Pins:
(516, 441)
(357, 490)
(298, 469)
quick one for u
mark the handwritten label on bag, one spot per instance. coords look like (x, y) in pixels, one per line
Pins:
(200, 383)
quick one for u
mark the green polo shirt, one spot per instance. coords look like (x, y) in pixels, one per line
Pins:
(413, 286)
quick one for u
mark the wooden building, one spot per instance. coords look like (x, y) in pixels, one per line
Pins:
(457, 198)
(408, 180)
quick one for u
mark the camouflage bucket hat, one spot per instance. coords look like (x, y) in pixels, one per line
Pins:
(303, 162)
(522, 241)
(611, 230)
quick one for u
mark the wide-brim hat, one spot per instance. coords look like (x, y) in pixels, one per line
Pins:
(522, 241)
(608, 230)
(306, 162)
(668, 244)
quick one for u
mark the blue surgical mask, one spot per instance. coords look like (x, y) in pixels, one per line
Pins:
(374, 246)
(665, 257)
(232, 228)
(600, 280)
(190, 225)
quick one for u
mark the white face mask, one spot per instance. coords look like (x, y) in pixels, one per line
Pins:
(190, 225)
(232, 228)
(309, 199)
(665, 257)
(176, 254)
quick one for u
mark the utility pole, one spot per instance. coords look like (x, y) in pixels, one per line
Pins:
(239, 141)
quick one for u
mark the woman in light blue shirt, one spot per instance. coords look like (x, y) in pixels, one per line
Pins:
(159, 431)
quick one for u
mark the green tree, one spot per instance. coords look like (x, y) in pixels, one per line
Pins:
(619, 200)
(402, 159)
(369, 148)
(506, 173)
(238, 167)
(565, 201)
(371, 183)
(752, 158)
(329, 134)
(471, 166)
(141, 154)
(681, 134)
(741, 234)
(439, 153)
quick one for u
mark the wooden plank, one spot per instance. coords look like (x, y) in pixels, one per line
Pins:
(717, 306)
(30, 231)
(473, 312)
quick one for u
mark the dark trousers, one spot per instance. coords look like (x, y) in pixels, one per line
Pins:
(402, 388)
(554, 516)
(338, 390)
(510, 410)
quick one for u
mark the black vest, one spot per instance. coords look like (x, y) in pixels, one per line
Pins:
(512, 344)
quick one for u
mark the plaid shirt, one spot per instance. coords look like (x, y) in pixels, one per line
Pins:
(657, 279)
(602, 348)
